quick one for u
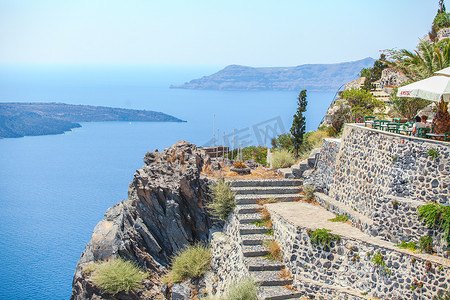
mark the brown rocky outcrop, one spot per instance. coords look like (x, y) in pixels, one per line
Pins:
(164, 212)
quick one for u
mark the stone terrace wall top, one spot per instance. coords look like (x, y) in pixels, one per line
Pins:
(372, 164)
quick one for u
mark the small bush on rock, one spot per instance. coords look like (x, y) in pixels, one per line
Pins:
(340, 218)
(117, 275)
(245, 289)
(192, 262)
(323, 237)
(426, 244)
(309, 192)
(438, 215)
(282, 159)
(378, 260)
(410, 246)
(222, 203)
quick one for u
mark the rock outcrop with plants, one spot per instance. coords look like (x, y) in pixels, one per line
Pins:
(164, 212)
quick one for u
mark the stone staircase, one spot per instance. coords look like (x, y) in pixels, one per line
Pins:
(297, 171)
(267, 273)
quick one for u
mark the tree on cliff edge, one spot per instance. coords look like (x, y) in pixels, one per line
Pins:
(299, 122)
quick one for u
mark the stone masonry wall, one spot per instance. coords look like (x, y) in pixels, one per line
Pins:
(348, 264)
(227, 262)
(374, 170)
(372, 164)
(326, 164)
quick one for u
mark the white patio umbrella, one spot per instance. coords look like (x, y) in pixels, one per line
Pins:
(435, 88)
(445, 72)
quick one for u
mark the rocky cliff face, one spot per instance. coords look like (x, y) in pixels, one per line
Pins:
(164, 211)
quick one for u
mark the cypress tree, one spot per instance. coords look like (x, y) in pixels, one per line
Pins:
(299, 122)
(441, 9)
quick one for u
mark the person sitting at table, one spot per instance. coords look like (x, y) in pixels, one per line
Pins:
(424, 121)
(417, 124)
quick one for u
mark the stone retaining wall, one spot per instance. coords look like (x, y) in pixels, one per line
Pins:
(326, 164)
(348, 264)
(227, 262)
(375, 169)
(372, 164)
(400, 222)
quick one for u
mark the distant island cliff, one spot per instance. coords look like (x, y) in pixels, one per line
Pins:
(314, 77)
(29, 119)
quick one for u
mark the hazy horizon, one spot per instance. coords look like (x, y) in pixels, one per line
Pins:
(207, 33)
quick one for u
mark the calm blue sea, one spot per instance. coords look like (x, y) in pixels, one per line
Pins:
(54, 189)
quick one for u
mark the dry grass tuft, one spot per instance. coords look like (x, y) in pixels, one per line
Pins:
(265, 213)
(291, 288)
(266, 220)
(267, 201)
(284, 273)
(191, 262)
(274, 250)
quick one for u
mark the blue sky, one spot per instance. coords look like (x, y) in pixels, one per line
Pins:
(208, 32)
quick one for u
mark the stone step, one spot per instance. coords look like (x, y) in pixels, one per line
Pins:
(265, 182)
(253, 251)
(248, 208)
(262, 264)
(245, 229)
(255, 239)
(312, 158)
(270, 278)
(277, 293)
(249, 218)
(299, 169)
(286, 173)
(266, 190)
(253, 199)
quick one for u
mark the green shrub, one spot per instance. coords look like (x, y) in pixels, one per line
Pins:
(441, 20)
(256, 153)
(323, 237)
(361, 102)
(284, 141)
(309, 192)
(378, 260)
(282, 159)
(117, 275)
(222, 203)
(340, 218)
(245, 289)
(426, 244)
(438, 215)
(433, 153)
(410, 246)
(269, 232)
(191, 262)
